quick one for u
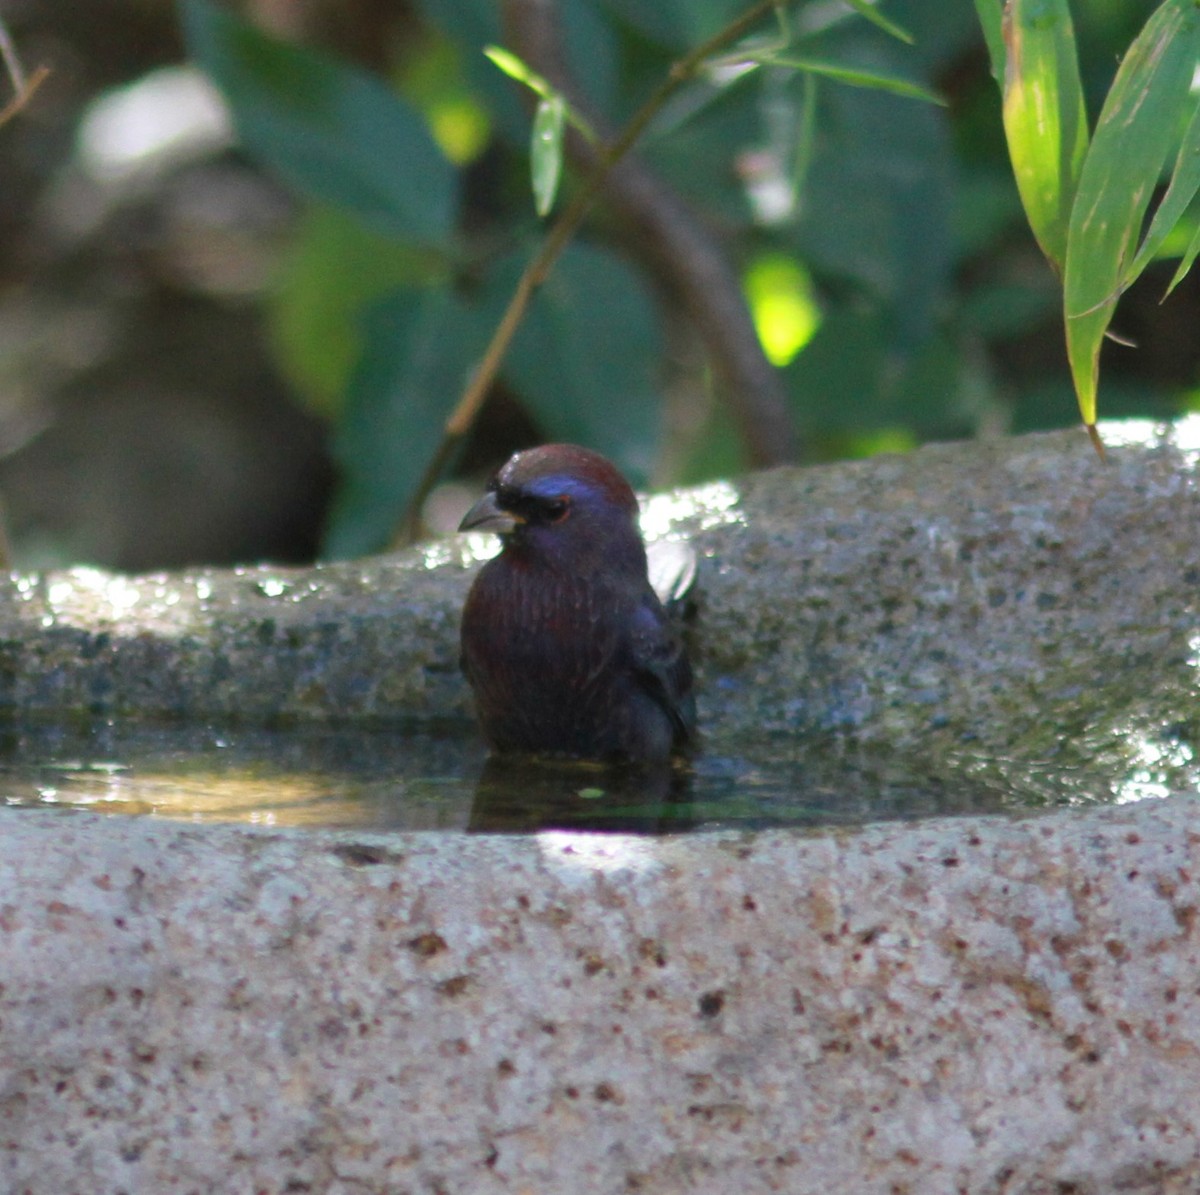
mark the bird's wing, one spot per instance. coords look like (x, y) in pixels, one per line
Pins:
(671, 564)
(662, 666)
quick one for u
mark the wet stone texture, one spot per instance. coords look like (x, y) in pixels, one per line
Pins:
(965, 1006)
(976, 592)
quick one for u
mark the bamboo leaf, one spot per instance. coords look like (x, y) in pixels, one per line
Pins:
(991, 18)
(546, 151)
(1189, 256)
(584, 361)
(515, 68)
(866, 9)
(1044, 117)
(1185, 182)
(859, 78)
(1137, 130)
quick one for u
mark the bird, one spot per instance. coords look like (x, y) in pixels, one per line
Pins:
(568, 649)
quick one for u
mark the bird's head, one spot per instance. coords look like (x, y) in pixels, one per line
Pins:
(563, 501)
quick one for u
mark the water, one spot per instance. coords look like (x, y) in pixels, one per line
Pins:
(417, 779)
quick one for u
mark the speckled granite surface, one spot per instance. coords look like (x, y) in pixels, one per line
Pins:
(983, 1005)
(974, 1005)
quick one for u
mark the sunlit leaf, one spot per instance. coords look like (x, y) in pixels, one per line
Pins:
(332, 268)
(546, 151)
(327, 128)
(1138, 127)
(515, 68)
(783, 303)
(1044, 117)
(436, 81)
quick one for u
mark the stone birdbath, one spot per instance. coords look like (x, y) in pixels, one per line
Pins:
(979, 1004)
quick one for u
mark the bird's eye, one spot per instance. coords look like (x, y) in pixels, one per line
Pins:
(558, 508)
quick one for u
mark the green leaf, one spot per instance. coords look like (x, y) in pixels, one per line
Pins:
(991, 18)
(1044, 117)
(419, 346)
(332, 269)
(332, 131)
(664, 23)
(865, 8)
(859, 78)
(715, 450)
(546, 151)
(585, 361)
(893, 241)
(1006, 310)
(1189, 256)
(1185, 182)
(515, 68)
(1138, 127)
(849, 381)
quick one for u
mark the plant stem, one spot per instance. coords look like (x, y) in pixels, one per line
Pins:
(23, 86)
(463, 417)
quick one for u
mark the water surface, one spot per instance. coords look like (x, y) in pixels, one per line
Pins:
(417, 779)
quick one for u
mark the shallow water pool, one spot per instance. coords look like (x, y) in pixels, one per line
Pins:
(418, 779)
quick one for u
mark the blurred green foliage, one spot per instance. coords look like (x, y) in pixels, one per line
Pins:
(880, 236)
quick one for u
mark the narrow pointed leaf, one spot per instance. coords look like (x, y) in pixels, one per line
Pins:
(515, 68)
(866, 9)
(1044, 117)
(806, 137)
(1138, 127)
(1189, 257)
(1185, 182)
(546, 151)
(991, 18)
(859, 78)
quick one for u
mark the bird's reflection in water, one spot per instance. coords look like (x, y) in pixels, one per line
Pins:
(523, 794)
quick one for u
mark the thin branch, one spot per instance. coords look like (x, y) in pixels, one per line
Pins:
(682, 251)
(463, 417)
(12, 63)
(23, 88)
(23, 85)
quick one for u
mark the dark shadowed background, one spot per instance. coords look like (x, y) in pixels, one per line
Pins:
(200, 363)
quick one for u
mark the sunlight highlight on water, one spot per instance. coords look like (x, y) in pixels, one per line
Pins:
(717, 504)
(74, 590)
(1182, 433)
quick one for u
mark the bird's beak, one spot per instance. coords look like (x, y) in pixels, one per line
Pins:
(486, 515)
